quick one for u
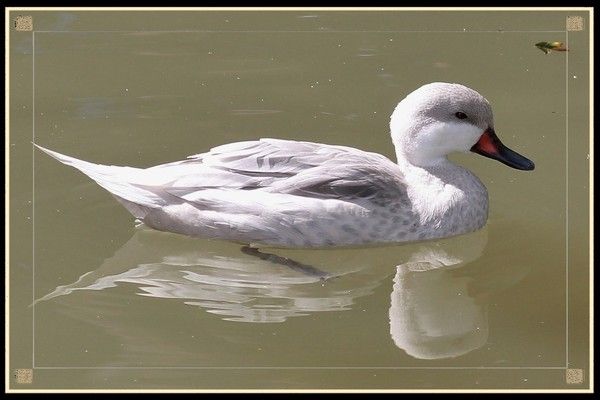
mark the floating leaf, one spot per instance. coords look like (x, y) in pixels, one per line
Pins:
(547, 46)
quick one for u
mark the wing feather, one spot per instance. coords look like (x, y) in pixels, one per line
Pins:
(284, 166)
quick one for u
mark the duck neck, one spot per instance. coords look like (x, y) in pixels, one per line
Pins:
(436, 167)
(442, 188)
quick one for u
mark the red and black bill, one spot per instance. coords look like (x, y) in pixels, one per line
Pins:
(490, 146)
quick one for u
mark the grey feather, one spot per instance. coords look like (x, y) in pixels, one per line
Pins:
(284, 166)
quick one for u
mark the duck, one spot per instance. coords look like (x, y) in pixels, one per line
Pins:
(297, 194)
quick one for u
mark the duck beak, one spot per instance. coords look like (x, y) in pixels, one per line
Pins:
(490, 146)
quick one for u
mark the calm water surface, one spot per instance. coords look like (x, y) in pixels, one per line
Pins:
(123, 307)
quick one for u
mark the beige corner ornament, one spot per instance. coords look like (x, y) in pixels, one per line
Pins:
(24, 23)
(24, 376)
(574, 376)
(574, 23)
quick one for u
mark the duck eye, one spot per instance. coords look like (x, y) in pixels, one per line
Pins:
(460, 115)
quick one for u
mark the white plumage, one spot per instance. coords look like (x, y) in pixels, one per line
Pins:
(301, 194)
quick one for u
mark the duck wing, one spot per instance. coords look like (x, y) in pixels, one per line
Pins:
(265, 191)
(287, 167)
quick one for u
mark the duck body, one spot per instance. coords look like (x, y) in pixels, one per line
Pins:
(285, 193)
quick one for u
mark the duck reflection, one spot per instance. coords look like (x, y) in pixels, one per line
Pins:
(440, 296)
(438, 302)
(433, 313)
(245, 286)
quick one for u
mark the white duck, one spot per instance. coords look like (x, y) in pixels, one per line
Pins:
(286, 193)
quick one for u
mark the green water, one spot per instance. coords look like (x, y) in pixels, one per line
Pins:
(123, 307)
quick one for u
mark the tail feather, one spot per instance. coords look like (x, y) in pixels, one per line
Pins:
(119, 181)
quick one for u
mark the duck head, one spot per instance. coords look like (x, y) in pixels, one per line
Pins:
(441, 118)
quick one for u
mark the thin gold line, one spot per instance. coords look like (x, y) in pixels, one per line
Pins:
(298, 391)
(589, 9)
(6, 197)
(591, 201)
(300, 368)
(567, 200)
(295, 31)
(33, 201)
